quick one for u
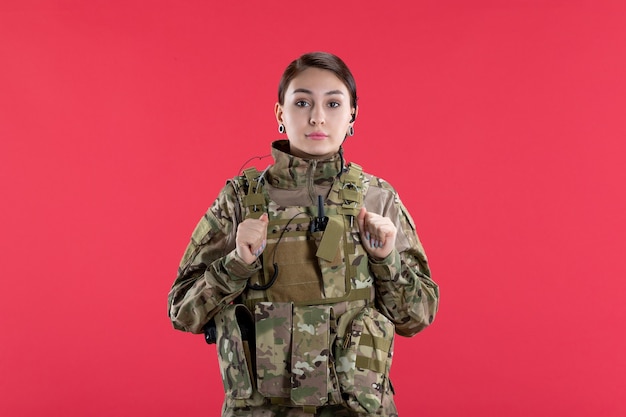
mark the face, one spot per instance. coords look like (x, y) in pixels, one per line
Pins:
(316, 113)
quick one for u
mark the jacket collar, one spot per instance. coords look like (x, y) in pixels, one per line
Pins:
(290, 171)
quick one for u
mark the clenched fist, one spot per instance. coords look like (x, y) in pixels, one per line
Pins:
(251, 238)
(378, 234)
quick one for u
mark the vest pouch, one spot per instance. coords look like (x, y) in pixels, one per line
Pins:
(233, 338)
(363, 353)
(310, 355)
(298, 274)
(273, 324)
(330, 257)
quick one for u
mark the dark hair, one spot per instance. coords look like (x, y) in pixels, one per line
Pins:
(321, 60)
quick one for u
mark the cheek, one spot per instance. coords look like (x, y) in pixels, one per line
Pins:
(343, 121)
(295, 118)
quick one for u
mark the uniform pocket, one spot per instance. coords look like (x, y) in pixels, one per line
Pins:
(233, 326)
(310, 355)
(363, 353)
(273, 324)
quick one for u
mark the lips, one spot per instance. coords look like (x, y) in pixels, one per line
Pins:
(317, 135)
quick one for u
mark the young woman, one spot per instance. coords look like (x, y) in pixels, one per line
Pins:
(302, 274)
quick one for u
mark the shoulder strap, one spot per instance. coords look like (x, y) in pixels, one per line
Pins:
(351, 191)
(253, 201)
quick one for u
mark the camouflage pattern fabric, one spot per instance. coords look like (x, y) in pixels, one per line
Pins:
(358, 352)
(273, 324)
(364, 348)
(233, 353)
(281, 411)
(310, 356)
(269, 410)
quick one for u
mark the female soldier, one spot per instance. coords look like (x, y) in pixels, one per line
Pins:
(301, 274)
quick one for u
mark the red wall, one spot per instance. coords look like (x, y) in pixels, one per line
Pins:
(501, 123)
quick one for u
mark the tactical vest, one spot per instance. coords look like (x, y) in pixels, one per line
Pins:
(305, 333)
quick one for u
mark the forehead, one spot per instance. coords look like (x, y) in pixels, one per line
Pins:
(317, 80)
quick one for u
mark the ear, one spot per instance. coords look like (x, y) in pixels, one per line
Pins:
(355, 113)
(278, 110)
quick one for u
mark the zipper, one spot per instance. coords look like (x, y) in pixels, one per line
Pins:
(310, 175)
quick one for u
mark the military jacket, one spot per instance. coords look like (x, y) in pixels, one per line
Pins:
(213, 281)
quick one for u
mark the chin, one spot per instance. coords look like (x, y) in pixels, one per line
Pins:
(323, 151)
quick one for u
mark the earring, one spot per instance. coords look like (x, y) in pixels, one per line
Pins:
(350, 130)
(281, 128)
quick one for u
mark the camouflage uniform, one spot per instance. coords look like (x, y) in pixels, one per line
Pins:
(322, 345)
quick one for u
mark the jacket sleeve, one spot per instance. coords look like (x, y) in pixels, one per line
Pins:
(211, 274)
(405, 292)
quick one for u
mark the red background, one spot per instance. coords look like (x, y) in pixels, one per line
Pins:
(501, 123)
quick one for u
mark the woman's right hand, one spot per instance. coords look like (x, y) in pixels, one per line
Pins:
(251, 238)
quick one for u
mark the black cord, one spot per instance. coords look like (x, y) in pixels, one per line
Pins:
(254, 157)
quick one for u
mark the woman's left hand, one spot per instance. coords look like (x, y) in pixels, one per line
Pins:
(378, 234)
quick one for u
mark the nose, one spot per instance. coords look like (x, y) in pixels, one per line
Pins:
(317, 116)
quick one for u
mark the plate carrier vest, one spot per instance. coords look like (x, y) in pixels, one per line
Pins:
(305, 333)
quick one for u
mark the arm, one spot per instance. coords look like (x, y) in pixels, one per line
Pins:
(405, 293)
(211, 273)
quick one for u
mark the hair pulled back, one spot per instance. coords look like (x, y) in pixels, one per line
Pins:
(321, 60)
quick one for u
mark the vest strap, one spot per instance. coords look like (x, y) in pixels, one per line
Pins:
(378, 343)
(369, 363)
(254, 201)
(351, 192)
(355, 294)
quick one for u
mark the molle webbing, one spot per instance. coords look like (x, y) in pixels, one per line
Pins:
(254, 201)
(355, 294)
(351, 192)
(373, 342)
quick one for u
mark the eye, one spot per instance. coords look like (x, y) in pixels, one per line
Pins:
(302, 103)
(334, 104)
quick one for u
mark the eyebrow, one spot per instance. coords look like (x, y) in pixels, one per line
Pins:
(328, 93)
